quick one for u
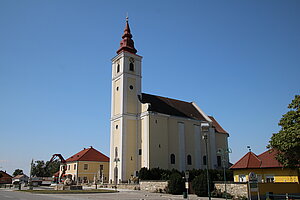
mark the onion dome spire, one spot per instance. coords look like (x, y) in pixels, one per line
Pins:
(127, 44)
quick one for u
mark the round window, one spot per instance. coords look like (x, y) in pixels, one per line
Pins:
(131, 87)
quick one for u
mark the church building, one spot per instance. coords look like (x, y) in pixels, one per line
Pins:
(153, 131)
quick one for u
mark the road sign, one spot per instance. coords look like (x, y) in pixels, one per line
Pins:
(187, 174)
(252, 176)
(187, 185)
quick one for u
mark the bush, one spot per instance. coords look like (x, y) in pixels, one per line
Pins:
(199, 185)
(144, 174)
(155, 174)
(176, 184)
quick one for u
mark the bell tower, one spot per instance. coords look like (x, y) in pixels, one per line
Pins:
(125, 110)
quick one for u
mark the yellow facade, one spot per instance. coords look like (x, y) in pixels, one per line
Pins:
(280, 175)
(164, 140)
(88, 171)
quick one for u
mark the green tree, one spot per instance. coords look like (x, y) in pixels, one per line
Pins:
(18, 172)
(287, 140)
(40, 169)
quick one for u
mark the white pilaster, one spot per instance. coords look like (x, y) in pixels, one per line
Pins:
(181, 138)
(197, 145)
(212, 148)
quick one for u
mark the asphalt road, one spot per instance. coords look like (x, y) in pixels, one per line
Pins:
(122, 195)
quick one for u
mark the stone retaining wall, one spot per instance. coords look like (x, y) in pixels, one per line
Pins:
(154, 186)
(235, 189)
(121, 186)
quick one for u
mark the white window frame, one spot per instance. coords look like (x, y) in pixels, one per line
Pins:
(270, 176)
(242, 178)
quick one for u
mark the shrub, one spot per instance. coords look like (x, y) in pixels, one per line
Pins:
(144, 174)
(176, 184)
(199, 185)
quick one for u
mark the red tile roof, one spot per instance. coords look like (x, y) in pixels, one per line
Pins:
(252, 161)
(89, 154)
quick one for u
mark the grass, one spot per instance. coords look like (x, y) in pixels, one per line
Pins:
(68, 191)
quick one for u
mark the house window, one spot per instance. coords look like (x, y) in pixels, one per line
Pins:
(219, 161)
(189, 159)
(259, 178)
(85, 179)
(172, 159)
(101, 167)
(204, 160)
(270, 179)
(69, 167)
(118, 68)
(85, 166)
(140, 151)
(74, 166)
(131, 67)
(242, 178)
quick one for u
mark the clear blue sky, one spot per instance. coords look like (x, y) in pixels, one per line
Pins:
(238, 60)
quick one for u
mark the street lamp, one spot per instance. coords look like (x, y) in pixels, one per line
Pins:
(205, 129)
(224, 154)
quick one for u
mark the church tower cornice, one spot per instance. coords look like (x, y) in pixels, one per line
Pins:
(127, 44)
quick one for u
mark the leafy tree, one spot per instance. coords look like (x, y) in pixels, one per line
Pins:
(40, 169)
(18, 172)
(287, 140)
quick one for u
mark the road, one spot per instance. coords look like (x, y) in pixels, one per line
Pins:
(122, 195)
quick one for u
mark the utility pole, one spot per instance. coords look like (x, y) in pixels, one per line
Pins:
(205, 129)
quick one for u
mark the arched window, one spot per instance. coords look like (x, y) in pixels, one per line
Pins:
(172, 159)
(189, 159)
(118, 68)
(204, 160)
(131, 67)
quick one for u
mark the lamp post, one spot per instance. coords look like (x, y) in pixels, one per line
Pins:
(205, 129)
(224, 154)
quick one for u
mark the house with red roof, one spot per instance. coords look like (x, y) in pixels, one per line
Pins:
(5, 178)
(265, 165)
(87, 166)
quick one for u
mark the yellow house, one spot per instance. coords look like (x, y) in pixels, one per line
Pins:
(88, 166)
(154, 131)
(267, 168)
